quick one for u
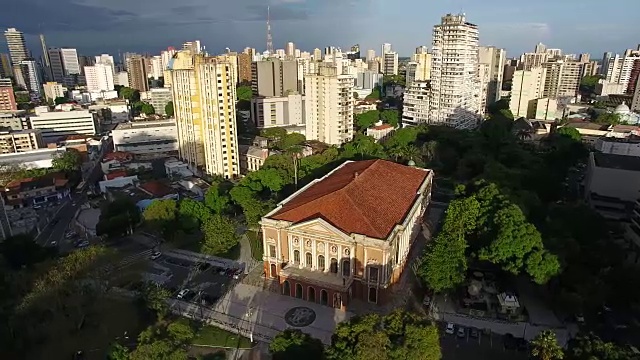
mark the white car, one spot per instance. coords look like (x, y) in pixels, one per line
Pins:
(155, 255)
(182, 293)
(451, 329)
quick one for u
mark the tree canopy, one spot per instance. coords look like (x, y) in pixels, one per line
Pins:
(591, 347)
(219, 235)
(168, 109)
(130, 94)
(545, 346)
(161, 215)
(68, 161)
(608, 118)
(391, 117)
(367, 119)
(118, 218)
(216, 199)
(294, 344)
(399, 335)
(147, 109)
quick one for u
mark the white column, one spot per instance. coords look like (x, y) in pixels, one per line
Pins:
(314, 255)
(327, 257)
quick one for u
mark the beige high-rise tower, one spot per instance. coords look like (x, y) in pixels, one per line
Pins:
(137, 70)
(204, 93)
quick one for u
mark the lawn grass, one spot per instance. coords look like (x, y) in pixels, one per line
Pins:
(213, 336)
(256, 245)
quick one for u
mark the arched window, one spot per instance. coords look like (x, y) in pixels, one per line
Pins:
(321, 262)
(346, 267)
(311, 294)
(296, 257)
(334, 266)
(299, 291)
(286, 288)
(308, 259)
(324, 297)
(274, 271)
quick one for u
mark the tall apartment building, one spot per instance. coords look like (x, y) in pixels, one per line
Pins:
(31, 75)
(158, 97)
(122, 78)
(455, 86)
(57, 125)
(623, 69)
(156, 67)
(371, 55)
(274, 77)
(389, 61)
(6, 69)
(329, 106)
(529, 61)
(244, 68)
(278, 111)
(495, 59)
(52, 90)
(45, 59)
(7, 97)
(204, 95)
(416, 107)
(419, 69)
(17, 46)
(527, 86)
(12, 142)
(106, 59)
(137, 70)
(543, 109)
(99, 77)
(562, 78)
(65, 66)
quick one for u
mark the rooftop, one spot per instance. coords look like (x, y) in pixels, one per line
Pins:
(144, 124)
(156, 188)
(56, 179)
(366, 197)
(614, 161)
(588, 125)
(120, 156)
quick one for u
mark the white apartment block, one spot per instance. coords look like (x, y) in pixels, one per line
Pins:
(99, 77)
(495, 59)
(529, 61)
(329, 106)
(619, 68)
(415, 108)
(57, 125)
(454, 73)
(204, 95)
(157, 71)
(544, 109)
(16, 44)
(390, 63)
(121, 78)
(31, 76)
(526, 87)
(106, 59)
(146, 137)
(158, 97)
(70, 61)
(267, 112)
(53, 90)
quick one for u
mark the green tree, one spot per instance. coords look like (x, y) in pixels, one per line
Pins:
(290, 140)
(364, 146)
(608, 118)
(155, 299)
(161, 215)
(22, 251)
(192, 213)
(162, 342)
(367, 119)
(118, 217)
(219, 235)
(545, 346)
(68, 161)
(390, 117)
(168, 109)
(244, 93)
(147, 109)
(294, 344)
(60, 100)
(375, 94)
(118, 352)
(591, 347)
(129, 94)
(569, 132)
(216, 200)
(275, 134)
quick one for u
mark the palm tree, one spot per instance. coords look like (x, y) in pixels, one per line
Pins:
(410, 152)
(429, 150)
(524, 134)
(396, 152)
(545, 346)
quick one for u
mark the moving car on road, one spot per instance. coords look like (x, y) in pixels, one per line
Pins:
(182, 293)
(82, 244)
(155, 255)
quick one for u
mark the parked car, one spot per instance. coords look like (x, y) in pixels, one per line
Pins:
(36, 207)
(450, 329)
(182, 293)
(155, 255)
(83, 244)
(474, 333)
(462, 332)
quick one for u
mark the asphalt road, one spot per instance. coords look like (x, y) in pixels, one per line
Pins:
(485, 347)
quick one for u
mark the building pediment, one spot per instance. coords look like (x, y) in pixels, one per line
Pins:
(319, 227)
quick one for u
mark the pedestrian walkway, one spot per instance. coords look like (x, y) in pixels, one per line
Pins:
(245, 254)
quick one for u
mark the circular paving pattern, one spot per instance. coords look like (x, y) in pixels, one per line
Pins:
(300, 316)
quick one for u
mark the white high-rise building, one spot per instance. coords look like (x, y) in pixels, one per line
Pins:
(31, 75)
(53, 90)
(454, 73)
(121, 78)
(416, 107)
(371, 55)
(527, 86)
(419, 69)
(390, 63)
(204, 97)
(329, 105)
(290, 49)
(386, 48)
(156, 67)
(494, 59)
(619, 69)
(99, 77)
(17, 46)
(70, 61)
(106, 59)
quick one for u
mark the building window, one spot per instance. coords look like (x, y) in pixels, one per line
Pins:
(274, 271)
(374, 272)
(311, 294)
(334, 266)
(308, 259)
(296, 257)
(299, 291)
(324, 297)
(272, 251)
(321, 262)
(286, 288)
(346, 267)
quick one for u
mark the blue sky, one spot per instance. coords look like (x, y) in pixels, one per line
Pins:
(94, 26)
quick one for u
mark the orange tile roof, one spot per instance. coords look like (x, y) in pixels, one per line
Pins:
(120, 156)
(364, 197)
(382, 127)
(156, 188)
(116, 174)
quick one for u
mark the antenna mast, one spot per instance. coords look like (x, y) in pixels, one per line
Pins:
(269, 38)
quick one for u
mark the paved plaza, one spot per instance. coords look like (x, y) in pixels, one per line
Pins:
(261, 314)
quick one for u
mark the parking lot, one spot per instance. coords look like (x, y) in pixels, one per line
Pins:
(484, 346)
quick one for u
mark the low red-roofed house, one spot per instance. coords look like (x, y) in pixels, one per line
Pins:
(156, 189)
(38, 190)
(380, 131)
(347, 235)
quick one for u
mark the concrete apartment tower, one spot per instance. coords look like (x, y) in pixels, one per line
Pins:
(329, 105)
(527, 86)
(389, 60)
(455, 82)
(137, 70)
(275, 77)
(495, 59)
(204, 95)
(17, 46)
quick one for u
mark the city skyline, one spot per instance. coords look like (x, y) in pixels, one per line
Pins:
(93, 27)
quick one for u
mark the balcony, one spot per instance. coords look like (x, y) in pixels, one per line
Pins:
(320, 278)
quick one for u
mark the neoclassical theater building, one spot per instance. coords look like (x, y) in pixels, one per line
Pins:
(347, 235)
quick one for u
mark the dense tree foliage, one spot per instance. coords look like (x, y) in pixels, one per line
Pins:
(367, 119)
(118, 217)
(569, 132)
(545, 346)
(216, 199)
(68, 161)
(155, 298)
(192, 213)
(147, 109)
(591, 347)
(164, 341)
(399, 335)
(130, 94)
(391, 117)
(244, 94)
(160, 215)
(168, 109)
(375, 94)
(219, 235)
(294, 344)
(608, 118)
